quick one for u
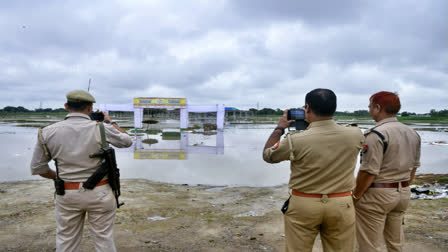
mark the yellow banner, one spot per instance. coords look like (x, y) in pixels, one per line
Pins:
(160, 155)
(160, 102)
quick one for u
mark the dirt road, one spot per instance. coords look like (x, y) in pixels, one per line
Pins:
(166, 217)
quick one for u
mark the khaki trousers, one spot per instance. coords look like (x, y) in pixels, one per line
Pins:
(71, 209)
(333, 218)
(379, 214)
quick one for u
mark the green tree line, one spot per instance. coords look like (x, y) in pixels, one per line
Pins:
(20, 109)
(356, 113)
(264, 111)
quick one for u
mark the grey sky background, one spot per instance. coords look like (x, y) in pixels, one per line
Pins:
(232, 52)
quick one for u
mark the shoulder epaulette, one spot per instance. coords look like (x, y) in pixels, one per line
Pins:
(381, 136)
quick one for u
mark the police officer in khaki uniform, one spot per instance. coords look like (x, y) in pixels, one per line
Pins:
(323, 158)
(390, 157)
(69, 143)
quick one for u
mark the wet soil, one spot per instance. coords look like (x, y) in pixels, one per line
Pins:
(167, 217)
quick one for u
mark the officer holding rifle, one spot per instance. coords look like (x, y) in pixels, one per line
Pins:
(79, 147)
(323, 158)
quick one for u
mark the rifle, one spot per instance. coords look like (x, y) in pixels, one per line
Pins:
(108, 167)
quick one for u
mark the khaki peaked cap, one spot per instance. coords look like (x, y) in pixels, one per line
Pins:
(80, 96)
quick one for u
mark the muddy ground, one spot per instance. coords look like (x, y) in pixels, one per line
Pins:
(198, 218)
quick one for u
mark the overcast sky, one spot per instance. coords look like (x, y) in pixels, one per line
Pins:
(234, 52)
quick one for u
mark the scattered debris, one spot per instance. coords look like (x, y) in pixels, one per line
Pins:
(152, 241)
(156, 218)
(429, 192)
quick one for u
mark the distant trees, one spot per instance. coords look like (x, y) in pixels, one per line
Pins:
(406, 114)
(11, 109)
(269, 111)
(361, 113)
(20, 109)
(435, 113)
(356, 113)
(253, 111)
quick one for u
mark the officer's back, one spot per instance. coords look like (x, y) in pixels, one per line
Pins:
(69, 143)
(325, 157)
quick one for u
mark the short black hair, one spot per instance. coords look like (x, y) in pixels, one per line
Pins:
(321, 101)
(78, 106)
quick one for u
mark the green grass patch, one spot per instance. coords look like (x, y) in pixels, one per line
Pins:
(136, 131)
(442, 180)
(153, 131)
(150, 141)
(414, 119)
(170, 135)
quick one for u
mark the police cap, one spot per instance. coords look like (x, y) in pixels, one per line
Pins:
(80, 96)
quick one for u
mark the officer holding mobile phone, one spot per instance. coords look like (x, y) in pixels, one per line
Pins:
(323, 158)
(69, 143)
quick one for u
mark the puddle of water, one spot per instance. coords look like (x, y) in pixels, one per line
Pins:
(233, 158)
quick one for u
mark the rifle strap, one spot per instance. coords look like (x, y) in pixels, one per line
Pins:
(57, 167)
(103, 135)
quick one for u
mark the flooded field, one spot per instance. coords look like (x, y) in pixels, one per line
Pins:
(229, 157)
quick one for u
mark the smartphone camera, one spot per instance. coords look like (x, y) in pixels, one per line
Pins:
(298, 115)
(97, 116)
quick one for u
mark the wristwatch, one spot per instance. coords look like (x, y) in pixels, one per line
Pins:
(280, 128)
(106, 121)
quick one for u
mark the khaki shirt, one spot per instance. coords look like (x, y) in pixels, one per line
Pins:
(402, 154)
(323, 157)
(71, 142)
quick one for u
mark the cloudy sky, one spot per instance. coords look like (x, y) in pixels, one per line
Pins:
(234, 52)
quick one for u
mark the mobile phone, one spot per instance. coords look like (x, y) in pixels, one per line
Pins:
(97, 116)
(296, 114)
